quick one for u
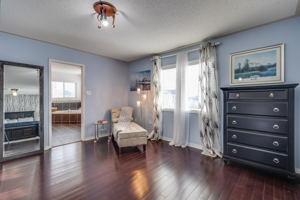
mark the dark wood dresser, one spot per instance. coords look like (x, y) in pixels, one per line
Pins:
(259, 126)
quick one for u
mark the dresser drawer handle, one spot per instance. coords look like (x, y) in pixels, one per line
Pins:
(275, 143)
(237, 95)
(275, 126)
(234, 122)
(276, 160)
(234, 136)
(271, 95)
(234, 151)
(234, 108)
(276, 110)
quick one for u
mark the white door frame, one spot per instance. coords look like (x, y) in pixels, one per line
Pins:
(50, 98)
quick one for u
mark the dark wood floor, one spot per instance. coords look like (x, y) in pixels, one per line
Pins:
(94, 171)
(65, 134)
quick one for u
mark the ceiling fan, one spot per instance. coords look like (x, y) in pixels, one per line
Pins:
(105, 10)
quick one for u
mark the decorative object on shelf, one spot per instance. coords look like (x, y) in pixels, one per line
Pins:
(101, 125)
(257, 66)
(141, 80)
(259, 127)
(105, 10)
(102, 121)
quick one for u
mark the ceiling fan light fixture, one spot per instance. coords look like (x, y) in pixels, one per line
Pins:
(105, 10)
(105, 23)
(14, 91)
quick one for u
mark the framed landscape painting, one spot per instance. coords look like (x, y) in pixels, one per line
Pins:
(257, 66)
(140, 80)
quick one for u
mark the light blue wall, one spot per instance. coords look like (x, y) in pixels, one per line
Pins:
(106, 78)
(287, 32)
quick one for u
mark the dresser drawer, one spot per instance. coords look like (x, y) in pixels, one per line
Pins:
(266, 95)
(258, 140)
(258, 124)
(258, 108)
(257, 155)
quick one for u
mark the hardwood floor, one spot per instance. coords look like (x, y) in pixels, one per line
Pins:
(95, 171)
(65, 134)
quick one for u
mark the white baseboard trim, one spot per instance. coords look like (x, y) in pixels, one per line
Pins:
(47, 148)
(193, 145)
(88, 139)
(297, 170)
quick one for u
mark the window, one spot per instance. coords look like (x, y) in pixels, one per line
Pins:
(192, 86)
(168, 87)
(63, 89)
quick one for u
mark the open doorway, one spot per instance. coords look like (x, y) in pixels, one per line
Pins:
(66, 103)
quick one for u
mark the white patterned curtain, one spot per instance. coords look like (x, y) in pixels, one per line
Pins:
(181, 114)
(157, 115)
(209, 102)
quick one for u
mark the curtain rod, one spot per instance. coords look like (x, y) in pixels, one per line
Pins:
(195, 49)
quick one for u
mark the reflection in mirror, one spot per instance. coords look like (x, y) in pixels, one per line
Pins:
(21, 110)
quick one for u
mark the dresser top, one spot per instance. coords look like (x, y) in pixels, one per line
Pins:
(273, 86)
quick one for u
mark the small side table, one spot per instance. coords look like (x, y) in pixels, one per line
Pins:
(100, 126)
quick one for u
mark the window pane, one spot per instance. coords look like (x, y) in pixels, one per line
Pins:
(70, 90)
(57, 89)
(168, 87)
(168, 79)
(192, 86)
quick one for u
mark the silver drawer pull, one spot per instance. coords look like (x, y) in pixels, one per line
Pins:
(276, 110)
(234, 136)
(234, 122)
(237, 95)
(276, 160)
(234, 151)
(271, 95)
(275, 143)
(275, 126)
(234, 108)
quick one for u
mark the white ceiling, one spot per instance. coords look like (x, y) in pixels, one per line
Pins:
(22, 78)
(143, 27)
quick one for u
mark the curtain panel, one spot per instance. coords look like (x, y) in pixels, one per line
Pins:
(181, 114)
(209, 102)
(157, 115)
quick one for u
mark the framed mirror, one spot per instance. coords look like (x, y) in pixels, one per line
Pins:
(22, 114)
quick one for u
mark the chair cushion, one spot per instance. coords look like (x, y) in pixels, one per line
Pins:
(115, 114)
(130, 130)
(126, 114)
